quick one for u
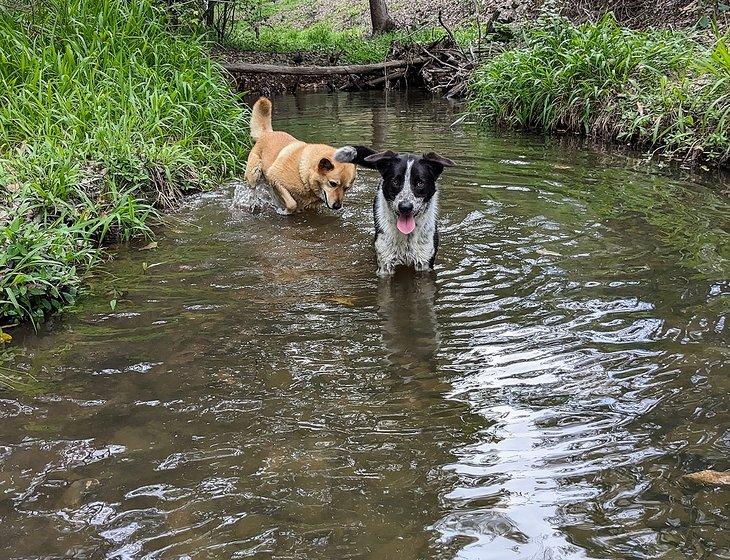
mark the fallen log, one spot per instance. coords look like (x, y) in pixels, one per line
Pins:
(247, 68)
(388, 78)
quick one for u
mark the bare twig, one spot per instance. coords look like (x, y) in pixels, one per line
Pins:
(448, 32)
(479, 24)
(438, 59)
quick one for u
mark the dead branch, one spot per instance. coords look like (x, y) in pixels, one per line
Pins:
(388, 78)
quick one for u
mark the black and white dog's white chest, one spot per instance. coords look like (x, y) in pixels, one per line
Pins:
(393, 248)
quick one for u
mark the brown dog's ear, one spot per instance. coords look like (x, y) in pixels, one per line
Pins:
(440, 160)
(380, 156)
(325, 165)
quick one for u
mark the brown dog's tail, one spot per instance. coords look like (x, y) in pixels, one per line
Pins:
(261, 118)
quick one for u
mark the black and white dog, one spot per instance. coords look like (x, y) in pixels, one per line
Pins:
(405, 206)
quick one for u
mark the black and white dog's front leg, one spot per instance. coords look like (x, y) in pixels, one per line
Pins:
(387, 258)
(423, 264)
(386, 270)
(421, 247)
(423, 259)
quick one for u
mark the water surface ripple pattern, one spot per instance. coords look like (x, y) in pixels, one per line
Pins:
(258, 393)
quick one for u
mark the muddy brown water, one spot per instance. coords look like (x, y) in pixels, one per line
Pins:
(258, 393)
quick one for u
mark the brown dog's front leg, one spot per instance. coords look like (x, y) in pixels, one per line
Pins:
(289, 204)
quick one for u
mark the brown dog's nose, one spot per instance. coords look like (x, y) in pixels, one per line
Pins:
(336, 205)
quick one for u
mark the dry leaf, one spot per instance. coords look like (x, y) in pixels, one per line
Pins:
(709, 478)
(548, 253)
(343, 300)
(153, 265)
(151, 245)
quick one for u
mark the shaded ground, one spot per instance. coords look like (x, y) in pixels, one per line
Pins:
(409, 13)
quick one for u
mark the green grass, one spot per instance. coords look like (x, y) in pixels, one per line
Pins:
(111, 117)
(259, 10)
(659, 89)
(355, 45)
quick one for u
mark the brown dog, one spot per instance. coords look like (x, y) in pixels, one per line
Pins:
(301, 175)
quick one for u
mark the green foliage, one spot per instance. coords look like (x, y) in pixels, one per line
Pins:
(40, 263)
(355, 45)
(109, 115)
(259, 10)
(658, 88)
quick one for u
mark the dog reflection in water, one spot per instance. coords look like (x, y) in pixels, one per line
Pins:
(406, 305)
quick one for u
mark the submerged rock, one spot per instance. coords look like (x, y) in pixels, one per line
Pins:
(77, 489)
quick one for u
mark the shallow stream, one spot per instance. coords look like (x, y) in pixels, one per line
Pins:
(257, 392)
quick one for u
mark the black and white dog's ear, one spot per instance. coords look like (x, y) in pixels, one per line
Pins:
(432, 157)
(355, 154)
(374, 160)
(380, 156)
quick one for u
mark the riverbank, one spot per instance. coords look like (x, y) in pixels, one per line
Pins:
(661, 90)
(112, 118)
(319, 45)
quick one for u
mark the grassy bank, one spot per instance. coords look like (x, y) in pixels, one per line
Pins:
(111, 117)
(257, 31)
(354, 45)
(659, 89)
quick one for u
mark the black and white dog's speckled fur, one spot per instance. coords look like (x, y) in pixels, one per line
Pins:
(405, 207)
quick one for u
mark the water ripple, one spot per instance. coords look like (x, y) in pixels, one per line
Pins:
(261, 394)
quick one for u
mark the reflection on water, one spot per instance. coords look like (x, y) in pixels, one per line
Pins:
(260, 393)
(406, 304)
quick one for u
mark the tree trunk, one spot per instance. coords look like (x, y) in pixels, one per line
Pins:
(380, 18)
(209, 13)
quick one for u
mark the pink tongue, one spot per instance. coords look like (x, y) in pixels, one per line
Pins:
(406, 224)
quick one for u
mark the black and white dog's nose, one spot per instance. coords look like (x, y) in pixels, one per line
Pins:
(405, 208)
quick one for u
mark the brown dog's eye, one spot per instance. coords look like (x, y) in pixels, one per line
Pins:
(333, 184)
